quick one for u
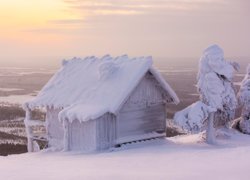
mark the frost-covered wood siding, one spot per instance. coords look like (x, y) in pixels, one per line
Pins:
(97, 134)
(54, 128)
(147, 93)
(141, 121)
(82, 136)
(144, 111)
(106, 131)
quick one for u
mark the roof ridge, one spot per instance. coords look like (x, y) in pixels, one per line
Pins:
(105, 57)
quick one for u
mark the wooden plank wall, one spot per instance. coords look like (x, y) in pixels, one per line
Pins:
(144, 111)
(106, 131)
(147, 93)
(98, 134)
(142, 121)
(82, 136)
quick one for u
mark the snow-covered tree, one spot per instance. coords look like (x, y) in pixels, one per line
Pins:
(216, 88)
(244, 100)
(217, 95)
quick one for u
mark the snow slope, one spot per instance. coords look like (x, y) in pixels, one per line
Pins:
(182, 157)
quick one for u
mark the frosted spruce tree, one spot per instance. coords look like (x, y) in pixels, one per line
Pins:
(216, 88)
(244, 100)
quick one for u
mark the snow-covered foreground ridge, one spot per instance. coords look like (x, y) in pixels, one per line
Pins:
(180, 157)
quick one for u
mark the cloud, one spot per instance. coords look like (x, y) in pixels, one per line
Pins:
(89, 11)
(66, 21)
(131, 7)
(113, 14)
(151, 26)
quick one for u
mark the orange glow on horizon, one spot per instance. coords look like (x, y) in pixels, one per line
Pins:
(143, 27)
(22, 19)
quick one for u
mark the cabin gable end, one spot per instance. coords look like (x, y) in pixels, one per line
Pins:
(143, 115)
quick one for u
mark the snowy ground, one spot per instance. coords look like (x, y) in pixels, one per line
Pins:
(182, 157)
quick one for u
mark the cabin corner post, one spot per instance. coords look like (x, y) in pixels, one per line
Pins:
(28, 129)
(66, 135)
(166, 119)
(47, 123)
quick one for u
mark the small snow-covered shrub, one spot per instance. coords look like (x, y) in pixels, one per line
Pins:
(192, 118)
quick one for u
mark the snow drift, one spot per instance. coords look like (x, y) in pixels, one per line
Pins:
(177, 158)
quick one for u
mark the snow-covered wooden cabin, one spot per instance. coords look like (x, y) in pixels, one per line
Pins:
(99, 103)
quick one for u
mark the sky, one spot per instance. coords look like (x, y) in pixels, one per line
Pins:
(34, 31)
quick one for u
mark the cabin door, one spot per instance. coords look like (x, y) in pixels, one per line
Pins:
(82, 136)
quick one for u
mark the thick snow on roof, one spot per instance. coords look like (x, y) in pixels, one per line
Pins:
(92, 86)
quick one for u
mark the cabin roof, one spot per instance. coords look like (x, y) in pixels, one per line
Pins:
(94, 86)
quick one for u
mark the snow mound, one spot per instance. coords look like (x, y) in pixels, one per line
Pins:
(191, 119)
